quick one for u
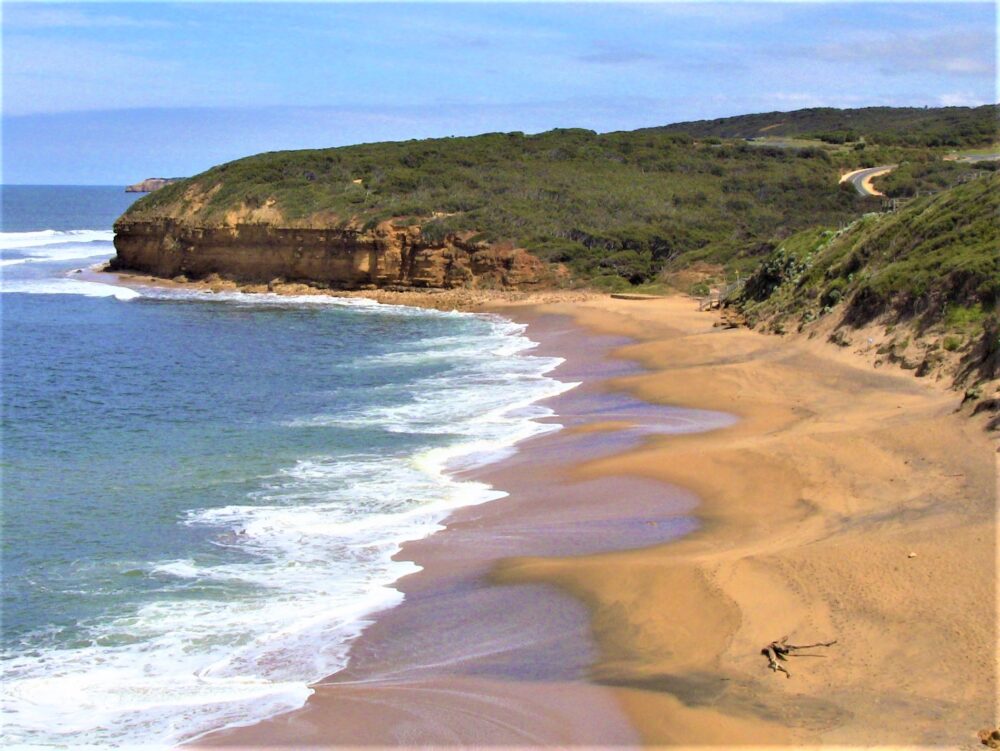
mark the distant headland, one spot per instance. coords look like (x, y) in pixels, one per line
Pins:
(753, 209)
(151, 183)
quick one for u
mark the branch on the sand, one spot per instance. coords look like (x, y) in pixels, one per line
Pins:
(779, 651)
(990, 737)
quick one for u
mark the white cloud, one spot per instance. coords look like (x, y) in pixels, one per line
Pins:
(55, 17)
(968, 66)
(959, 99)
(606, 53)
(44, 74)
(956, 52)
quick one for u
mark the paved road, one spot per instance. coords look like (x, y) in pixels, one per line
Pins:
(977, 158)
(861, 179)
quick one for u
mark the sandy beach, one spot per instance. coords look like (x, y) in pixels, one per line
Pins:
(464, 661)
(536, 375)
(844, 504)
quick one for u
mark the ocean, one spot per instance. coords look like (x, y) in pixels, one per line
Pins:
(202, 493)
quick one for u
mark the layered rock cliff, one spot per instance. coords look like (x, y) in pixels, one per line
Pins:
(338, 258)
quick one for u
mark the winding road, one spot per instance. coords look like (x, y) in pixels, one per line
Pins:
(861, 179)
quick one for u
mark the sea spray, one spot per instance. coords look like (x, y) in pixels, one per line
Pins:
(204, 492)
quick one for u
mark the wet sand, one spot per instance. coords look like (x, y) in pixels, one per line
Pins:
(845, 504)
(466, 661)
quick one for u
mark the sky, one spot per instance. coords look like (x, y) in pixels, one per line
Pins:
(111, 93)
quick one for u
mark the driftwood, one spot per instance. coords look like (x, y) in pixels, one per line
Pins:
(779, 651)
(990, 737)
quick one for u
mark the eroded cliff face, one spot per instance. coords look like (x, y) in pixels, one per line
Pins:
(386, 256)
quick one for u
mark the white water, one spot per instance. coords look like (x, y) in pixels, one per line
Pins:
(54, 239)
(314, 544)
(35, 262)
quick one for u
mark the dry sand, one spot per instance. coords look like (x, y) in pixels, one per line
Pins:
(846, 504)
(811, 506)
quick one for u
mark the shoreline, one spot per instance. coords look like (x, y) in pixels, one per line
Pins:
(523, 682)
(465, 300)
(846, 504)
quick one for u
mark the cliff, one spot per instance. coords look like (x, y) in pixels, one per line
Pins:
(337, 258)
(615, 209)
(611, 208)
(152, 183)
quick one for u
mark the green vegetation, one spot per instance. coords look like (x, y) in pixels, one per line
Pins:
(951, 343)
(929, 176)
(618, 206)
(618, 209)
(886, 126)
(937, 259)
(961, 317)
(927, 275)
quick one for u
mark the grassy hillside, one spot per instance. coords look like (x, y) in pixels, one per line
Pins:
(889, 126)
(929, 176)
(931, 269)
(617, 206)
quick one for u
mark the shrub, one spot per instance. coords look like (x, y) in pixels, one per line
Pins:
(957, 316)
(834, 293)
(952, 343)
(628, 203)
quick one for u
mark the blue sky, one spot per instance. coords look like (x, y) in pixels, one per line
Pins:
(115, 92)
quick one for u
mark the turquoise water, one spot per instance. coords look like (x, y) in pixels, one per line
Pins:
(202, 493)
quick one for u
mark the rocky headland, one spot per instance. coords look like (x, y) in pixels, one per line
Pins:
(614, 210)
(151, 183)
(621, 212)
(185, 231)
(384, 256)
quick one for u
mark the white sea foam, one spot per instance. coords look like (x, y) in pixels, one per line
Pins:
(67, 286)
(21, 251)
(68, 252)
(490, 394)
(259, 298)
(51, 237)
(305, 563)
(51, 246)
